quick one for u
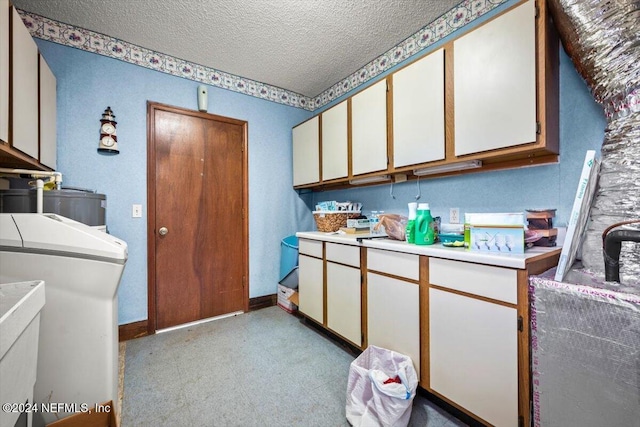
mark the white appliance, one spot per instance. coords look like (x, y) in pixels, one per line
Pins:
(81, 267)
(20, 306)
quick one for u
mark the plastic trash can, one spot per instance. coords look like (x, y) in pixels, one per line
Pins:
(288, 260)
(381, 387)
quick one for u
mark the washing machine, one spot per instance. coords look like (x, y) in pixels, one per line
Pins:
(78, 342)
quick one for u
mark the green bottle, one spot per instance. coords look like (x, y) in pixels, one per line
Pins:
(411, 223)
(425, 231)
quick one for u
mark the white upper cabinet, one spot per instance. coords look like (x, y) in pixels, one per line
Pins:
(495, 83)
(369, 129)
(25, 89)
(335, 149)
(4, 71)
(47, 115)
(418, 111)
(306, 152)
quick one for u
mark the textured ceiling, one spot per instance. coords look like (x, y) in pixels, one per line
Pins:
(301, 45)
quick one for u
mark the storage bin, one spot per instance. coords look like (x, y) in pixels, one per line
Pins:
(288, 256)
(329, 221)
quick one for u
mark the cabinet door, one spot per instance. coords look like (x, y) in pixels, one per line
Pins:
(4, 71)
(343, 302)
(311, 287)
(306, 152)
(25, 88)
(495, 83)
(418, 111)
(473, 354)
(47, 115)
(369, 129)
(393, 316)
(334, 142)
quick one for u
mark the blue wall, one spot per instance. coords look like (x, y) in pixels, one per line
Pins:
(88, 83)
(582, 126)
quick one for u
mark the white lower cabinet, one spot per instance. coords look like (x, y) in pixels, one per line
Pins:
(343, 301)
(473, 338)
(393, 315)
(311, 287)
(473, 353)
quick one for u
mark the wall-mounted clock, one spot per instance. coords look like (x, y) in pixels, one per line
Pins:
(108, 138)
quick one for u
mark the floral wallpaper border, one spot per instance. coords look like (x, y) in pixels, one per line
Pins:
(90, 41)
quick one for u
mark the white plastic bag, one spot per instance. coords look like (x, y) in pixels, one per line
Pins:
(371, 402)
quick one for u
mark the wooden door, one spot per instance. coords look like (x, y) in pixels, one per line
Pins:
(197, 229)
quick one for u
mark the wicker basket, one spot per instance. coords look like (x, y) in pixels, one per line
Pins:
(328, 221)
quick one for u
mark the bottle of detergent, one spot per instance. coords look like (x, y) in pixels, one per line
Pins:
(425, 232)
(411, 223)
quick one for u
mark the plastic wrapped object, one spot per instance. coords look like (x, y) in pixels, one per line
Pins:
(382, 385)
(394, 225)
(602, 39)
(585, 342)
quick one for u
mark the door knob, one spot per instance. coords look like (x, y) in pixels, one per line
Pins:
(163, 231)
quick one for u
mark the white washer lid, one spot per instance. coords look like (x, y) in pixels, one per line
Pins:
(59, 235)
(9, 234)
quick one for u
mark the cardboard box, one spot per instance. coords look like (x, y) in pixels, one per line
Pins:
(496, 239)
(102, 415)
(284, 302)
(497, 219)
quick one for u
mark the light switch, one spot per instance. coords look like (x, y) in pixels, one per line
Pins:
(137, 211)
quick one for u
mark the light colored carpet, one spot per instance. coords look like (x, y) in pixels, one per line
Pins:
(263, 368)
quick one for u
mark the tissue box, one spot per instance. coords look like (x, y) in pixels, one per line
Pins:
(284, 299)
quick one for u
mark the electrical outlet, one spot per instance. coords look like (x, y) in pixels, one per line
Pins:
(454, 216)
(136, 212)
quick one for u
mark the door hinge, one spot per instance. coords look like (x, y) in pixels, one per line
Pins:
(520, 421)
(520, 323)
(538, 128)
(244, 281)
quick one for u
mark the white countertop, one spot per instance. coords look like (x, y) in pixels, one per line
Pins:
(438, 251)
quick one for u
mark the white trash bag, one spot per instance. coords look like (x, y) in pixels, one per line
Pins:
(381, 388)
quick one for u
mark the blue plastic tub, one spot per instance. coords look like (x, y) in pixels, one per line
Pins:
(288, 256)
